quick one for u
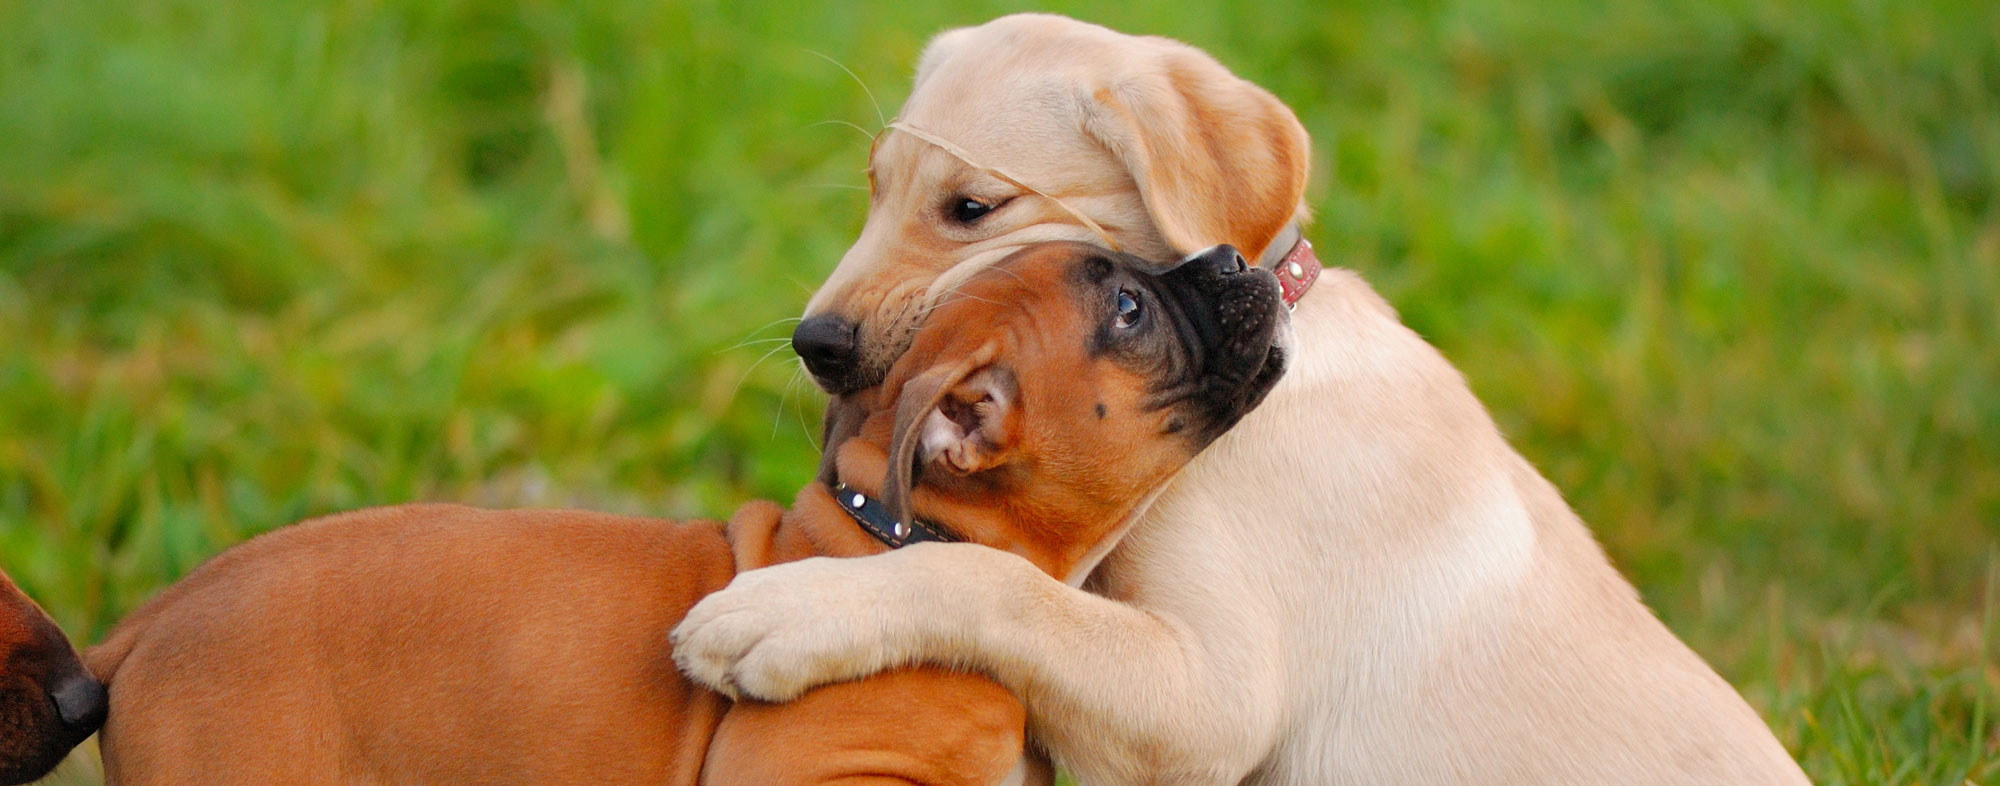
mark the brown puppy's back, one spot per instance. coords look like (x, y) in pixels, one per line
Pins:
(251, 670)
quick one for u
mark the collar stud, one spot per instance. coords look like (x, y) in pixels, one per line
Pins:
(1296, 271)
(876, 521)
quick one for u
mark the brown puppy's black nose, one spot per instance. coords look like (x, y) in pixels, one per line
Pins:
(80, 701)
(831, 349)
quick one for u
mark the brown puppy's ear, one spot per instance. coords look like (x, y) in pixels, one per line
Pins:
(1216, 158)
(972, 426)
(963, 415)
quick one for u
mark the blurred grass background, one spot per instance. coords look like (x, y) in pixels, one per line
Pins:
(1728, 272)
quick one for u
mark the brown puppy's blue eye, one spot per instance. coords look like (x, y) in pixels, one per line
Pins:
(966, 211)
(1128, 309)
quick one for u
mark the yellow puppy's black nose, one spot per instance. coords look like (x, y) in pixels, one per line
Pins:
(1223, 259)
(832, 351)
(80, 701)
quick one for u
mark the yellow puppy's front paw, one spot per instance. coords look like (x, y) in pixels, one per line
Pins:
(707, 651)
(783, 666)
(776, 632)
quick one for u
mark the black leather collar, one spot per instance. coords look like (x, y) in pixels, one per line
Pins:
(874, 517)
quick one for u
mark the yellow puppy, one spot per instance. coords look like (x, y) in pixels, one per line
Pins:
(1361, 583)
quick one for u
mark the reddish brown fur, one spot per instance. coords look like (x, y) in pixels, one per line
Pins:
(35, 659)
(444, 644)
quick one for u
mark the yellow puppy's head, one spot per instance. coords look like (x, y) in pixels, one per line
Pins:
(1035, 128)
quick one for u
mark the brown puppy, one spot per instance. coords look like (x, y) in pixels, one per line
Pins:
(441, 644)
(48, 703)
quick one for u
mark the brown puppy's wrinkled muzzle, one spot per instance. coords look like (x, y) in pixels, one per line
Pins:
(1231, 312)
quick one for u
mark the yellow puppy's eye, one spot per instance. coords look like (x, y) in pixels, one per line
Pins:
(966, 210)
(1128, 309)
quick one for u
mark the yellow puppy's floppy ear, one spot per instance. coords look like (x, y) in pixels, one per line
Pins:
(939, 49)
(1217, 159)
(963, 416)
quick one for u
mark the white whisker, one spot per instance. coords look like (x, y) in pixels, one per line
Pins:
(778, 415)
(1008, 271)
(751, 342)
(748, 337)
(952, 295)
(879, 117)
(798, 375)
(752, 369)
(801, 285)
(864, 132)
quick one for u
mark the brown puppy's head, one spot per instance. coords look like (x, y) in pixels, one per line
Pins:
(1152, 140)
(1045, 400)
(48, 703)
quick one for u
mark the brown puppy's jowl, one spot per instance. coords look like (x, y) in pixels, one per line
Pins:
(1361, 583)
(48, 703)
(443, 644)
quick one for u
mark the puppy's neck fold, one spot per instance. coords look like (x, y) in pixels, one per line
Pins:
(761, 534)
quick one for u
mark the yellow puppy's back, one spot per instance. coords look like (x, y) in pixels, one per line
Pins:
(452, 631)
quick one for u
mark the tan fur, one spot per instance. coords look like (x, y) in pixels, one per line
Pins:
(446, 644)
(1362, 583)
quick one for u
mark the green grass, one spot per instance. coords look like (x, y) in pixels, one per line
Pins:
(1728, 272)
